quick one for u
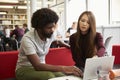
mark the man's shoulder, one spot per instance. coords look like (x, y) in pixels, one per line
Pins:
(30, 32)
(21, 31)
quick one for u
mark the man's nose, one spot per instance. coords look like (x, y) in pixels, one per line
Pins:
(52, 29)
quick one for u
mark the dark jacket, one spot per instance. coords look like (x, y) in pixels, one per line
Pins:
(79, 61)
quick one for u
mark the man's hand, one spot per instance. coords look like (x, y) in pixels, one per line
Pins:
(72, 70)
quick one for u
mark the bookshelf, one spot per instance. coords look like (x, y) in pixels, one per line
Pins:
(12, 19)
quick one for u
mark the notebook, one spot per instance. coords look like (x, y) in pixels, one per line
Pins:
(91, 67)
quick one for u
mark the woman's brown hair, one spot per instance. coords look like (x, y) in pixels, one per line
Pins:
(90, 38)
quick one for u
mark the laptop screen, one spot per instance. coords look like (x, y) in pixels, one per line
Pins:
(93, 64)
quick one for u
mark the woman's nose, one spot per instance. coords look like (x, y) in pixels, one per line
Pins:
(84, 23)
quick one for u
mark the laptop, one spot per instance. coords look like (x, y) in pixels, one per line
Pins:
(92, 66)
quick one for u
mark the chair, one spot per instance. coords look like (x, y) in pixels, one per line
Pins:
(106, 44)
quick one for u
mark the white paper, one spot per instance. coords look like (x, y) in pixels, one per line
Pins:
(66, 78)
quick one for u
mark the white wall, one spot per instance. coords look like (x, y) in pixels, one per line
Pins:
(74, 9)
(100, 10)
(115, 11)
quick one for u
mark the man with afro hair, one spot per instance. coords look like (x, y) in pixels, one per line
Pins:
(35, 46)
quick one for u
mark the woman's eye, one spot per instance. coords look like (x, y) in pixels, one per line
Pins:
(82, 20)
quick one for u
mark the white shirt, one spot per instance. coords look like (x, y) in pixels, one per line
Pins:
(32, 44)
(7, 32)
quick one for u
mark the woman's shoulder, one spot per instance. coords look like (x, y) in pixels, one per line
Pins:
(73, 36)
(98, 35)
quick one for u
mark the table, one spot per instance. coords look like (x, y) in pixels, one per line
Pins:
(66, 78)
(74, 78)
(116, 53)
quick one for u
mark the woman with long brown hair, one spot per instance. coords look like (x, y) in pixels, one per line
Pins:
(86, 42)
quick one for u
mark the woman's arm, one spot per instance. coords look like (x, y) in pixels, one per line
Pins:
(100, 45)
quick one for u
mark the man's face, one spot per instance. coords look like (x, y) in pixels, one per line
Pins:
(48, 30)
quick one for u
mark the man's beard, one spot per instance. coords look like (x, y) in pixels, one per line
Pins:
(47, 35)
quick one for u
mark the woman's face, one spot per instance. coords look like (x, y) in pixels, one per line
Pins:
(84, 24)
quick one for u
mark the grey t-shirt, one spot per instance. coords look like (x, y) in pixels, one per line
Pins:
(32, 44)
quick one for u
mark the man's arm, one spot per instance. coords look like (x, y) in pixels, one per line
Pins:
(62, 44)
(34, 59)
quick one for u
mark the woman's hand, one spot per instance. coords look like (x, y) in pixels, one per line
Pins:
(95, 56)
(72, 70)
